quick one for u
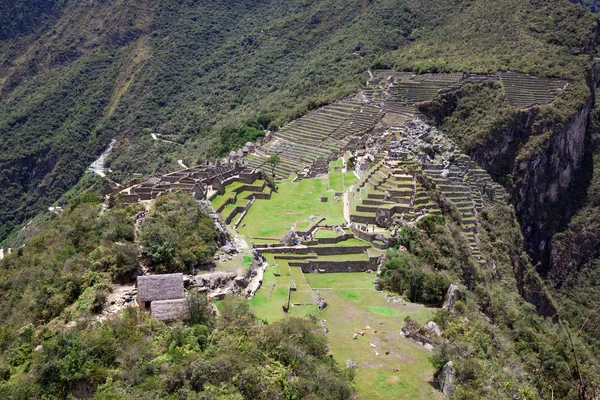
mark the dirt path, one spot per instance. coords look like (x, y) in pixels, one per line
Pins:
(346, 200)
(155, 137)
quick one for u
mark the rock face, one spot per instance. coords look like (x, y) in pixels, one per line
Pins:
(545, 177)
(543, 181)
(445, 379)
(452, 295)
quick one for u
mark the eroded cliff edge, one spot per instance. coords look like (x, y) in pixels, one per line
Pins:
(542, 155)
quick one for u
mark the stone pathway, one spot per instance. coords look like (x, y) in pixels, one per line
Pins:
(155, 137)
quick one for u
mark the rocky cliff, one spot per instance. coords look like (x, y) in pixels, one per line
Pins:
(539, 155)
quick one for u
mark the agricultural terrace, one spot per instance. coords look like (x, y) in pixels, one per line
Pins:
(353, 304)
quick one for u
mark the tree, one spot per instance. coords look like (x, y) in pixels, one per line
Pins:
(274, 161)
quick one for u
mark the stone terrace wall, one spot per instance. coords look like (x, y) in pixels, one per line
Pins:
(335, 266)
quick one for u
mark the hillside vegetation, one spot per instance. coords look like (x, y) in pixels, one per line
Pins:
(191, 71)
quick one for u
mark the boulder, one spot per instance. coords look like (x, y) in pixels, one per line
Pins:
(322, 303)
(228, 248)
(351, 364)
(290, 239)
(428, 347)
(445, 379)
(240, 282)
(433, 327)
(452, 296)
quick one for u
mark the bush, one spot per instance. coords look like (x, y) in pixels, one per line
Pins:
(199, 309)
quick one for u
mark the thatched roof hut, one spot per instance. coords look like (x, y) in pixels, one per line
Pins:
(160, 287)
(169, 310)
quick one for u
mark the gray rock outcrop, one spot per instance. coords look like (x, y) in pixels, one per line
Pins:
(433, 327)
(446, 378)
(452, 296)
(322, 303)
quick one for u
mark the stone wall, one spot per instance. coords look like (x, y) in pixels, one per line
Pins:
(236, 211)
(249, 177)
(335, 266)
(332, 251)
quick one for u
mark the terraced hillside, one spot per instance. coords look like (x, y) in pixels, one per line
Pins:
(389, 191)
(328, 272)
(523, 90)
(453, 174)
(320, 133)
(399, 92)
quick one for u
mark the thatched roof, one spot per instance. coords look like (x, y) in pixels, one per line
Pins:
(160, 287)
(169, 310)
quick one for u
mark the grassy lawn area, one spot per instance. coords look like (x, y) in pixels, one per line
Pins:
(354, 304)
(345, 243)
(336, 163)
(335, 181)
(350, 311)
(349, 179)
(293, 204)
(303, 297)
(238, 261)
(336, 280)
(303, 311)
(220, 200)
(326, 233)
(298, 277)
(346, 257)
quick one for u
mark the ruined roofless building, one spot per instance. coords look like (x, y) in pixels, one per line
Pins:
(163, 295)
(192, 180)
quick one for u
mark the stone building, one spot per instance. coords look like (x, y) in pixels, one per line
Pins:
(163, 295)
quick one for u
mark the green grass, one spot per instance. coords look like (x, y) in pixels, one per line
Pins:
(360, 280)
(349, 179)
(335, 182)
(303, 297)
(345, 257)
(326, 233)
(337, 163)
(345, 243)
(298, 276)
(353, 304)
(293, 204)
(303, 311)
(220, 200)
(267, 303)
(351, 311)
